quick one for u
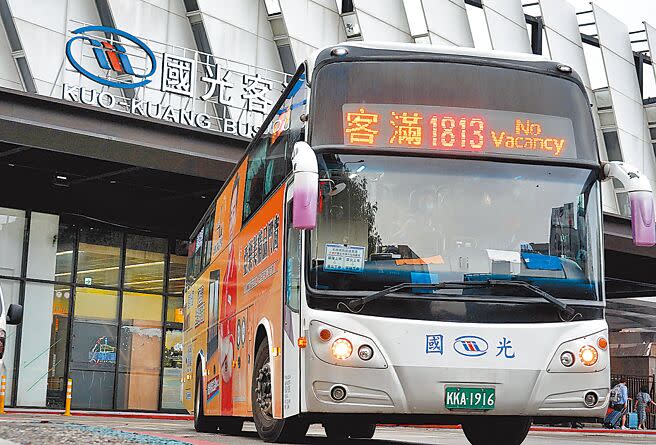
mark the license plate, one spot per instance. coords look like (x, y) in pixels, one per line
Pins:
(469, 398)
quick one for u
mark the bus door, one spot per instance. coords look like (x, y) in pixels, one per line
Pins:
(291, 314)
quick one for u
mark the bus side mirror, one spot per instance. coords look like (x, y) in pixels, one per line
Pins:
(640, 199)
(15, 314)
(306, 186)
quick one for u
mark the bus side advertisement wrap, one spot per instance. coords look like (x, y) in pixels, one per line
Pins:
(453, 129)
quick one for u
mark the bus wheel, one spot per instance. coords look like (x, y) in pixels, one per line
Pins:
(493, 430)
(202, 424)
(268, 428)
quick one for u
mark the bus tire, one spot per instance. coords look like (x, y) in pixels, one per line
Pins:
(202, 423)
(268, 428)
(494, 430)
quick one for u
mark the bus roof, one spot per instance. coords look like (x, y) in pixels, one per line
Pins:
(380, 48)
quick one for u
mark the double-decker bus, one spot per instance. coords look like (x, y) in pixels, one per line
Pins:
(414, 236)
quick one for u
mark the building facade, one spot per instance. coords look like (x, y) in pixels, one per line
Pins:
(120, 120)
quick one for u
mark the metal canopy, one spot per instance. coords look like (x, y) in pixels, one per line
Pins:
(57, 125)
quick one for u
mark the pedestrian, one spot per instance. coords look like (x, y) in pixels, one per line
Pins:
(643, 400)
(621, 401)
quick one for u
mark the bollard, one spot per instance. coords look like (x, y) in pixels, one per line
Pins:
(69, 395)
(3, 387)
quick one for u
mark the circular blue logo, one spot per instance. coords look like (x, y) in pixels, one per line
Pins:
(470, 346)
(111, 56)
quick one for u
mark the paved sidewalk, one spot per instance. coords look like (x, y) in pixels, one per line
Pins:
(61, 432)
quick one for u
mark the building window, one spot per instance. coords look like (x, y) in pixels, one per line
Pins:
(175, 310)
(99, 257)
(144, 263)
(12, 231)
(50, 249)
(177, 268)
(612, 146)
(94, 300)
(57, 363)
(140, 350)
(10, 291)
(93, 348)
(65, 252)
(43, 345)
(172, 368)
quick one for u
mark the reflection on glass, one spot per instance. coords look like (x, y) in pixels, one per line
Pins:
(387, 220)
(96, 304)
(175, 310)
(144, 263)
(177, 268)
(99, 257)
(43, 340)
(10, 291)
(172, 370)
(65, 247)
(56, 393)
(140, 351)
(93, 348)
(50, 248)
(12, 228)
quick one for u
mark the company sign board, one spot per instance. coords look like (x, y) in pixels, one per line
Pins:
(115, 70)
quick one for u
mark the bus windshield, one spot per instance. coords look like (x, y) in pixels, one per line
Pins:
(386, 220)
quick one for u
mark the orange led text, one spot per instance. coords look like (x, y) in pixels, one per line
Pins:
(465, 133)
(528, 136)
(407, 129)
(360, 127)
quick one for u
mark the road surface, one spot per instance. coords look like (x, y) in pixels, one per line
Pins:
(177, 432)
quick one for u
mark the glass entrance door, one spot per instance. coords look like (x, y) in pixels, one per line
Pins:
(93, 348)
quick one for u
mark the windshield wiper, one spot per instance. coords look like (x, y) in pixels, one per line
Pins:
(357, 304)
(568, 311)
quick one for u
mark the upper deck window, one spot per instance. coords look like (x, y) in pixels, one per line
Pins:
(269, 161)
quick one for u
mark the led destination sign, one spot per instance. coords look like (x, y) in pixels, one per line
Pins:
(458, 129)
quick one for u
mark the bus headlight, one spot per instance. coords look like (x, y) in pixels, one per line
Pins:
(588, 355)
(567, 359)
(341, 349)
(365, 352)
(347, 349)
(580, 355)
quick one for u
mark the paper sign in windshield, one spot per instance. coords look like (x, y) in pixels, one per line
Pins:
(344, 258)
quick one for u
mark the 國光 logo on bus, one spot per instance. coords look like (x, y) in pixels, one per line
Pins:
(470, 346)
(111, 56)
(434, 344)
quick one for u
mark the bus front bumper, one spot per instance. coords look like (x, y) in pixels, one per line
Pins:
(413, 386)
(408, 390)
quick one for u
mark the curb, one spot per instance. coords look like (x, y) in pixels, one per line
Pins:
(112, 414)
(593, 431)
(545, 429)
